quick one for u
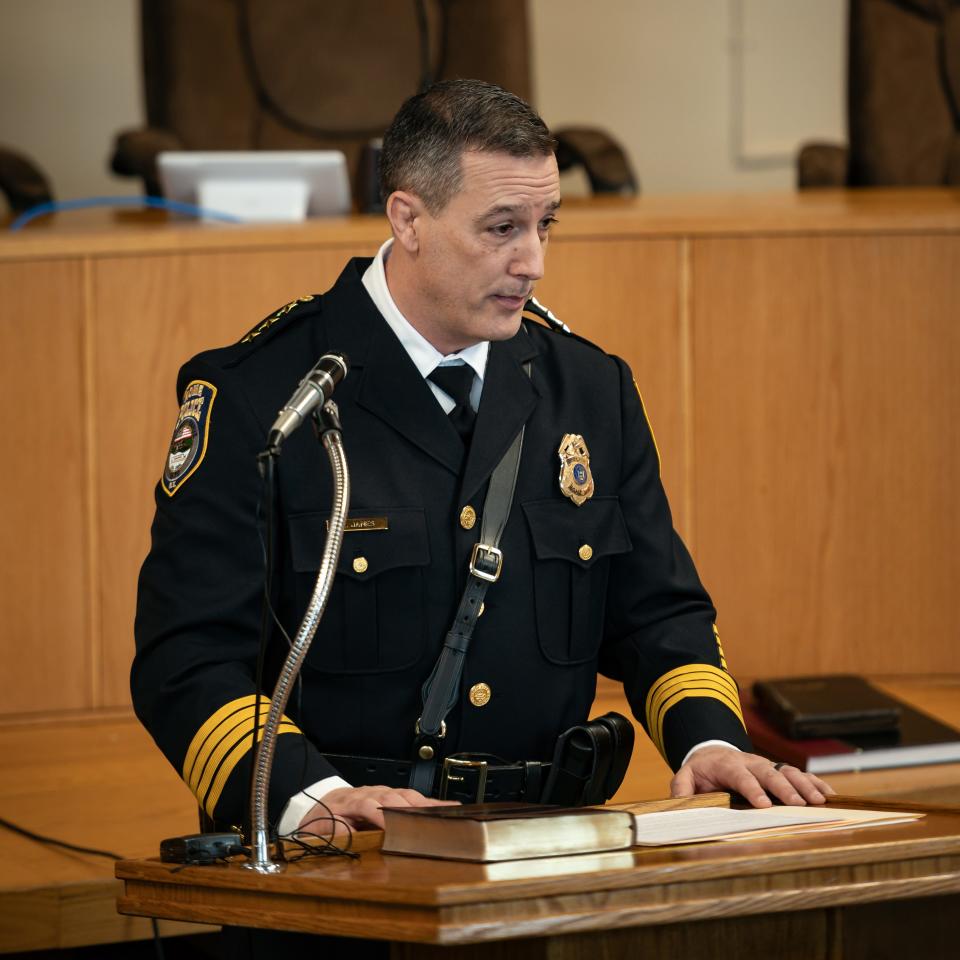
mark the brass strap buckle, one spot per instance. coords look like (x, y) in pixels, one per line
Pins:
(439, 736)
(483, 558)
(446, 776)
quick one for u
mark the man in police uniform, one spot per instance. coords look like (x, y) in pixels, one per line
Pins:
(594, 577)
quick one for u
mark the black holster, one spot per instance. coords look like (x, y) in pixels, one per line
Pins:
(589, 762)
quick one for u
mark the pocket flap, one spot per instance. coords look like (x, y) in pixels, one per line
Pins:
(364, 553)
(581, 535)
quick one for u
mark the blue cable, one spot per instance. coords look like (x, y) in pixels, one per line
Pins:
(174, 206)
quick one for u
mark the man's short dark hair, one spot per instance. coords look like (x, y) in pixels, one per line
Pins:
(423, 146)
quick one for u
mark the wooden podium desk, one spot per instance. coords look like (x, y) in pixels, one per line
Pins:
(845, 894)
(102, 783)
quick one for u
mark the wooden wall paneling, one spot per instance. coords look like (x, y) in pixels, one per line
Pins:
(153, 314)
(625, 295)
(827, 456)
(44, 644)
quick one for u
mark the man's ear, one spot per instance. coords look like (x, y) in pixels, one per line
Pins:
(404, 211)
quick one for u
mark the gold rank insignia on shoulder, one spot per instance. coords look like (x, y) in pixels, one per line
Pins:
(265, 325)
(576, 480)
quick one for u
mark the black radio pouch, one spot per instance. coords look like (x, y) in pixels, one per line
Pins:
(589, 762)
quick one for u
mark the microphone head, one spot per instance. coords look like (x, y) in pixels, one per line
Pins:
(333, 365)
(340, 359)
(313, 391)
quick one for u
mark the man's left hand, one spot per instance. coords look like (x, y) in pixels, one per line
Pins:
(755, 778)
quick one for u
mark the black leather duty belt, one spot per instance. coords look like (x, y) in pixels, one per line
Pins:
(472, 778)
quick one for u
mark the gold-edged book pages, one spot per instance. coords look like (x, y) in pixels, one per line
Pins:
(489, 832)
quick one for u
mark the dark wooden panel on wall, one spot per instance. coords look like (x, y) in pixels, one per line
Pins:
(827, 454)
(798, 356)
(46, 645)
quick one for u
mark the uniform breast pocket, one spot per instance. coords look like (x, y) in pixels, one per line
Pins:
(375, 617)
(573, 547)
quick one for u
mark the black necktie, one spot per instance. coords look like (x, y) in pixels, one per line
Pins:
(457, 382)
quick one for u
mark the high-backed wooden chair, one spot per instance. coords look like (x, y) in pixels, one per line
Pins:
(323, 74)
(903, 99)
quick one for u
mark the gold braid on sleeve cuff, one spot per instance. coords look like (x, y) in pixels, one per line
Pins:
(221, 743)
(683, 683)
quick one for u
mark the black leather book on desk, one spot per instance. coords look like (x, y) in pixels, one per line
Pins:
(826, 706)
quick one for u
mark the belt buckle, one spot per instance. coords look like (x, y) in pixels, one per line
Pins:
(484, 553)
(446, 776)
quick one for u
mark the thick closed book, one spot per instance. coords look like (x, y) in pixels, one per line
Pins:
(836, 705)
(919, 739)
(490, 832)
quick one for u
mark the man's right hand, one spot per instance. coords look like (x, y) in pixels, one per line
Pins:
(360, 807)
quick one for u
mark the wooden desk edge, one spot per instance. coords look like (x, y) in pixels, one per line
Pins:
(666, 892)
(548, 914)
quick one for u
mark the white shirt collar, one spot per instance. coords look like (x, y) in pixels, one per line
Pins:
(425, 355)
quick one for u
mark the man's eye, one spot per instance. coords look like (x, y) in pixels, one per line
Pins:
(502, 229)
(547, 223)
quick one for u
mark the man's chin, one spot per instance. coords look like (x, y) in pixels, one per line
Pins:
(507, 325)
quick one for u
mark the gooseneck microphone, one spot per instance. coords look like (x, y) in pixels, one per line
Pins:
(313, 391)
(534, 306)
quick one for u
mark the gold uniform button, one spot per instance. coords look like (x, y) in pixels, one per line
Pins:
(360, 565)
(468, 517)
(586, 552)
(480, 694)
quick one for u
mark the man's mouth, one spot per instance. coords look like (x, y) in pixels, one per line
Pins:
(513, 301)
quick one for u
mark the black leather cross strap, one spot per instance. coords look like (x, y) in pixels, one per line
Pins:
(441, 689)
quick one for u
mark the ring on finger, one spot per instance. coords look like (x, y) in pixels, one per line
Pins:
(779, 766)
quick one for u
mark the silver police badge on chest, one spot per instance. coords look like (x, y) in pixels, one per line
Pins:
(576, 481)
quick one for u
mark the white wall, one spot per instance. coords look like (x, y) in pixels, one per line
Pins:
(704, 94)
(69, 80)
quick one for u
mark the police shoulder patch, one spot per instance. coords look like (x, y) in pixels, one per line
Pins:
(189, 442)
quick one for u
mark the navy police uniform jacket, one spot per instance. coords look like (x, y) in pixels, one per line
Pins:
(604, 586)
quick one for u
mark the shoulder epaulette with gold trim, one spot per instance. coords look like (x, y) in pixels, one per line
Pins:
(265, 325)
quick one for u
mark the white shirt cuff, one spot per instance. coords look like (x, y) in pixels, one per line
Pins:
(707, 743)
(300, 805)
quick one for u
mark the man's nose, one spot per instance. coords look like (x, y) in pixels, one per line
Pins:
(528, 258)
